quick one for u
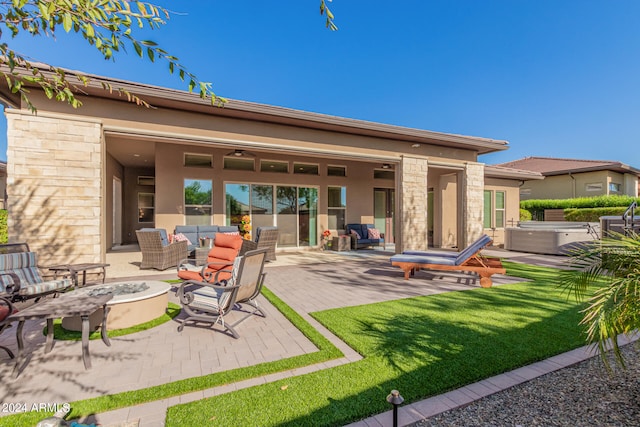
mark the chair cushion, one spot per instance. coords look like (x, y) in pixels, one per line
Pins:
(207, 231)
(180, 237)
(191, 232)
(374, 233)
(164, 237)
(422, 259)
(44, 287)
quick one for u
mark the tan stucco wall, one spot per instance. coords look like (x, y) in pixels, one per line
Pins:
(575, 185)
(54, 168)
(512, 206)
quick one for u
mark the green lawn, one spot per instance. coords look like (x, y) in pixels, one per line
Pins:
(420, 346)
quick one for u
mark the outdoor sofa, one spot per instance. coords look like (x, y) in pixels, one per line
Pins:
(364, 235)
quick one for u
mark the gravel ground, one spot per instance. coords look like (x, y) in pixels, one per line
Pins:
(580, 395)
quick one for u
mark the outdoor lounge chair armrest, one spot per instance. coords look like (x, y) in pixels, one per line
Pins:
(12, 289)
(209, 275)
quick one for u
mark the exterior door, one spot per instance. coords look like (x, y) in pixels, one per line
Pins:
(383, 208)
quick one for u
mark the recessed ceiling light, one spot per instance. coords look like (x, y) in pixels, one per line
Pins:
(136, 155)
(415, 145)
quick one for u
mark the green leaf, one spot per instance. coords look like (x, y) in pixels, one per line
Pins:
(67, 22)
(151, 55)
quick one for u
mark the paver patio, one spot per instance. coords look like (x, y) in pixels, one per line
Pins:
(306, 282)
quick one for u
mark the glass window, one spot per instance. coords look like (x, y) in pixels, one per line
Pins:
(337, 207)
(384, 174)
(197, 201)
(239, 164)
(198, 160)
(307, 216)
(287, 215)
(274, 166)
(305, 169)
(146, 180)
(488, 208)
(146, 206)
(500, 210)
(238, 203)
(614, 188)
(336, 171)
(494, 209)
(261, 205)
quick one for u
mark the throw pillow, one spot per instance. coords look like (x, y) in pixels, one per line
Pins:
(374, 233)
(181, 238)
(355, 233)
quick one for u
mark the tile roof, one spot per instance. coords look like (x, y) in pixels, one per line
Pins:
(556, 166)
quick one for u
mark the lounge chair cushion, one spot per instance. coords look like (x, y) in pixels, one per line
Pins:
(24, 266)
(220, 257)
(424, 259)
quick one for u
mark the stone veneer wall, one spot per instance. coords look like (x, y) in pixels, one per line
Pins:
(413, 204)
(472, 202)
(54, 168)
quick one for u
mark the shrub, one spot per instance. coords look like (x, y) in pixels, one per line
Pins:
(613, 203)
(591, 215)
(4, 234)
(525, 215)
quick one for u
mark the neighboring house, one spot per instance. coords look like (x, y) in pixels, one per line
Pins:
(83, 180)
(3, 185)
(569, 178)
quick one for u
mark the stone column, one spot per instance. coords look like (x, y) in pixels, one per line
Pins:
(472, 203)
(412, 197)
(54, 185)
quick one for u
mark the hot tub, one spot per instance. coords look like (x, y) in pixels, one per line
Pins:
(549, 237)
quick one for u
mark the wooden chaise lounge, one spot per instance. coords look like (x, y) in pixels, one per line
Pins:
(467, 260)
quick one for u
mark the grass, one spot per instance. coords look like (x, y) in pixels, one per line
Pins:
(326, 351)
(420, 346)
(61, 333)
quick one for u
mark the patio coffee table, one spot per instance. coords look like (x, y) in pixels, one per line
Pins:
(74, 269)
(68, 304)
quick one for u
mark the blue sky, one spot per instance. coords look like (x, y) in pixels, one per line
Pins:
(556, 78)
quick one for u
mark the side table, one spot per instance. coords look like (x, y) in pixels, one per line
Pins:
(341, 243)
(68, 304)
(74, 269)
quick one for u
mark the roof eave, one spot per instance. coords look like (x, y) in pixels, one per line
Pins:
(177, 99)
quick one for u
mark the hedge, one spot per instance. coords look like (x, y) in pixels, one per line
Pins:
(608, 205)
(4, 235)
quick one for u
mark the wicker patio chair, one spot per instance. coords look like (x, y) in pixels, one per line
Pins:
(205, 302)
(267, 237)
(157, 252)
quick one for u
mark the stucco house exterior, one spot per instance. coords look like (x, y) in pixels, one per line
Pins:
(81, 181)
(569, 178)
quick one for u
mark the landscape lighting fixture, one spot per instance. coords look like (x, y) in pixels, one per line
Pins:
(386, 166)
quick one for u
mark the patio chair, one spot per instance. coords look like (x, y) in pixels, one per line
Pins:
(156, 250)
(479, 244)
(467, 260)
(205, 302)
(20, 278)
(6, 310)
(220, 258)
(267, 237)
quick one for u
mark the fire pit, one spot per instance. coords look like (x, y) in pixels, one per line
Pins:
(133, 303)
